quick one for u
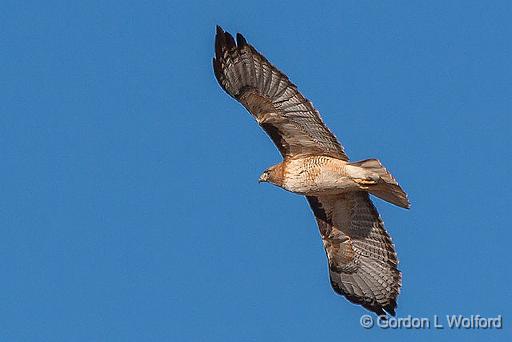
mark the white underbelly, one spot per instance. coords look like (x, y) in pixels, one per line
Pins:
(324, 182)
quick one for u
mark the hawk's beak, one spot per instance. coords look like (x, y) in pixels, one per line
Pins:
(263, 178)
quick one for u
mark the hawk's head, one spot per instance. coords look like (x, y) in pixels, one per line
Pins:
(265, 176)
(273, 174)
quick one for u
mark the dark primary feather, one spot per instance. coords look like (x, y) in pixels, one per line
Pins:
(290, 120)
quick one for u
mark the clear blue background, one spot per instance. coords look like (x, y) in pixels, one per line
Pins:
(130, 208)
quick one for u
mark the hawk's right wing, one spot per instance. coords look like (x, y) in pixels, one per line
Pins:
(362, 258)
(290, 120)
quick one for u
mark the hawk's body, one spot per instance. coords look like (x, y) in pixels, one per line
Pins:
(318, 175)
(321, 175)
(362, 259)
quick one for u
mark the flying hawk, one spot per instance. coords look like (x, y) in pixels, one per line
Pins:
(362, 259)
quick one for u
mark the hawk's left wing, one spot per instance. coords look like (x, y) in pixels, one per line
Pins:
(362, 258)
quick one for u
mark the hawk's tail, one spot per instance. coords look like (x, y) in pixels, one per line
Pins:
(387, 188)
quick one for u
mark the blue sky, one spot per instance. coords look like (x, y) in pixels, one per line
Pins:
(130, 206)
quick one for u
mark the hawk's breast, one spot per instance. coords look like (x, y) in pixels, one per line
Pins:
(317, 175)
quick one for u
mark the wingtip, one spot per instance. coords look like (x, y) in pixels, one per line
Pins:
(391, 309)
(219, 42)
(240, 40)
(230, 41)
(383, 311)
(223, 41)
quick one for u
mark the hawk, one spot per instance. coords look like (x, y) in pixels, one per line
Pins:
(361, 256)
